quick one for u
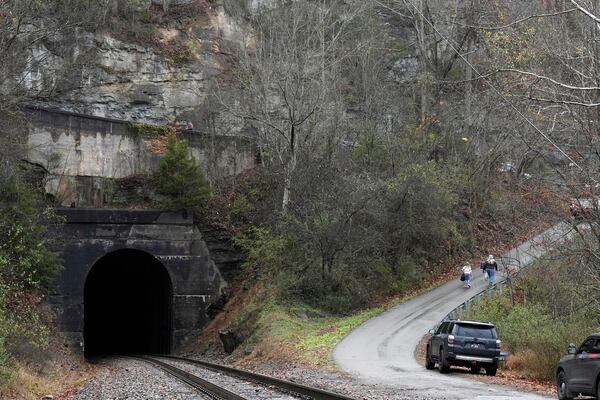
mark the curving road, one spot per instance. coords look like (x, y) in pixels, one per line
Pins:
(381, 351)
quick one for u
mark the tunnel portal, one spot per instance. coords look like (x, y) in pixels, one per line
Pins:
(133, 280)
(127, 305)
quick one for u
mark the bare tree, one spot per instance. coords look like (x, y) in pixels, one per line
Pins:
(289, 74)
(28, 70)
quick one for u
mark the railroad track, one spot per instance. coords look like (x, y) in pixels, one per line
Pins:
(216, 391)
(202, 385)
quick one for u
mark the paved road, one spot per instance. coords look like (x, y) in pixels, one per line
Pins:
(381, 350)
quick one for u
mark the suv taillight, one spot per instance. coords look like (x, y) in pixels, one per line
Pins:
(450, 340)
(498, 343)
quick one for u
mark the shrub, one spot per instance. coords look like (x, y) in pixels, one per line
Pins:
(535, 340)
(148, 131)
(241, 207)
(347, 240)
(27, 265)
(180, 182)
(133, 22)
(186, 53)
(25, 259)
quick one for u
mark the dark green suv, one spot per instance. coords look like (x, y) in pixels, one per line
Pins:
(471, 344)
(579, 371)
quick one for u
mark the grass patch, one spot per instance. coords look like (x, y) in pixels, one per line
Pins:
(307, 335)
(313, 339)
(148, 131)
(27, 382)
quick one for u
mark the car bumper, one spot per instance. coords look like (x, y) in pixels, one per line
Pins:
(474, 358)
(464, 359)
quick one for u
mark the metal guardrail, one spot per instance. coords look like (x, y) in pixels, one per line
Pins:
(509, 274)
(504, 261)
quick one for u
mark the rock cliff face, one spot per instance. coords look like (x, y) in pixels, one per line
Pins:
(162, 71)
(170, 80)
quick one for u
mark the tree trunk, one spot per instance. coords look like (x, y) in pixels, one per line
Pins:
(421, 38)
(468, 89)
(114, 9)
(289, 172)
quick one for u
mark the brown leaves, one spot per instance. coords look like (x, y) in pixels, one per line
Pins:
(158, 145)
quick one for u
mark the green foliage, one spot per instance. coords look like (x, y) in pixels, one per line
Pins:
(84, 13)
(147, 131)
(340, 248)
(314, 338)
(25, 260)
(512, 49)
(185, 53)
(534, 339)
(113, 71)
(133, 22)
(348, 239)
(241, 206)
(180, 182)
(265, 252)
(76, 13)
(543, 317)
(27, 265)
(420, 206)
(372, 152)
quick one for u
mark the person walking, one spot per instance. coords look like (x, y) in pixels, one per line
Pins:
(482, 264)
(490, 268)
(466, 270)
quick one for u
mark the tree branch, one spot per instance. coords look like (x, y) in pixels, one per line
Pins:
(586, 12)
(498, 28)
(566, 86)
(574, 103)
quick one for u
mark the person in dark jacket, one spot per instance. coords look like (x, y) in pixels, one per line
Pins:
(489, 268)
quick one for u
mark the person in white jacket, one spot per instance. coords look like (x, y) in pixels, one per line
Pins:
(466, 270)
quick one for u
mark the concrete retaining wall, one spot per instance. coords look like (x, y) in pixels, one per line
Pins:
(74, 148)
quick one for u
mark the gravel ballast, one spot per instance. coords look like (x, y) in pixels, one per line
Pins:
(339, 383)
(127, 379)
(249, 390)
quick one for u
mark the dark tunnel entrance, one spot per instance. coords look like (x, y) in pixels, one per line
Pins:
(127, 305)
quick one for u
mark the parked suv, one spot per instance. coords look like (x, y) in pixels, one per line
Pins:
(579, 371)
(471, 344)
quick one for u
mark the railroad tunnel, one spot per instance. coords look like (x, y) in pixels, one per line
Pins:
(127, 305)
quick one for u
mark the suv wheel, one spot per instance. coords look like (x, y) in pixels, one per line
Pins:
(562, 389)
(443, 365)
(491, 371)
(428, 363)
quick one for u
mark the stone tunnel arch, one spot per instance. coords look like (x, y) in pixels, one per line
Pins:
(127, 305)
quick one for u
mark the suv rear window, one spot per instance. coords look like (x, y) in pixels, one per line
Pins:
(484, 332)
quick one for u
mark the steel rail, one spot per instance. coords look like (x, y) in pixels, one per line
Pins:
(296, 388)
(200, 384)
